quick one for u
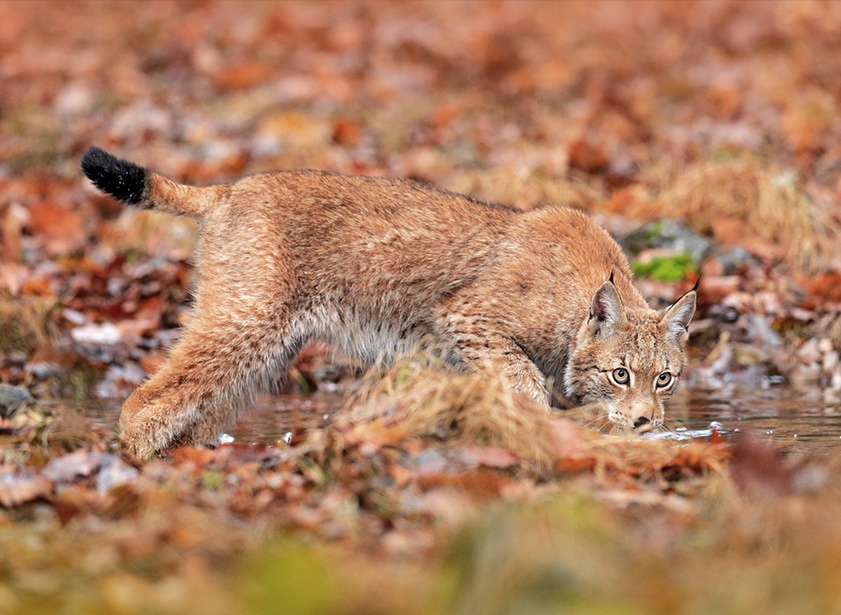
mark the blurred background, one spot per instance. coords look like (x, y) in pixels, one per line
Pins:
(722, 116)
(705, 135)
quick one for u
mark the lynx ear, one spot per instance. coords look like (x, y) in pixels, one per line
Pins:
(676, 320)
(607, 313)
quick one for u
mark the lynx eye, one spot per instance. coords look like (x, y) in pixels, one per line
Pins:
(664, 380)
(620, 376)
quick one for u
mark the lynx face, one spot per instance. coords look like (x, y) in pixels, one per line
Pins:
(629, 360)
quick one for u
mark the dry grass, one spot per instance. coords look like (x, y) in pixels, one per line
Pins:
(424, 396)
(525, 189)
(730, 199)
(739, 202)
(23, 324)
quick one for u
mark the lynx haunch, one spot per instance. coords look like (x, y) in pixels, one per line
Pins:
(544, 298)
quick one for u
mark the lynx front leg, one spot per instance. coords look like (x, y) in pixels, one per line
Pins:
(523, 376)
(211, 372)
(481, 343)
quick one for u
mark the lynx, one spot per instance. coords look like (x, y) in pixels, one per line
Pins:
(543, 298)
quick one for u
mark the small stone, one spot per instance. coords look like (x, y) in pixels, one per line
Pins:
(734, 259)
(668, 235)
(114, 473)
(13, 399)
(759, 331)
(809, 353)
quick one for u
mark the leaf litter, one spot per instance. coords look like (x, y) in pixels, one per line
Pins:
(429, 491)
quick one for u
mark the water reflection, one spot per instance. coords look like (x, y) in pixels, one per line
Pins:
(783, 417)
(272, 418)
(285, 417)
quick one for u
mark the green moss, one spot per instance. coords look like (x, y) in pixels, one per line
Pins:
(654, 232)
(212, 480)
(665, 268)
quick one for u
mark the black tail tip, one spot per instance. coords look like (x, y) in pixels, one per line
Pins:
(123, 180)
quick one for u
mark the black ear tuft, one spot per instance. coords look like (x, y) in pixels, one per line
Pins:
(697, 283)
(123, 180)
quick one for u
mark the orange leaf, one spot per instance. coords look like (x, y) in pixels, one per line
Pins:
(196, 455)
(587, 157)
(241, 75)
(481, 483)
(489, 456)
(574, 450)
(371, 437)
(152, 361)
(346, 132)
(62, 228)
(826, 285)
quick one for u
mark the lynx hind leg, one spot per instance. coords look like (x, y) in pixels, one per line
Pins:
(209, 376)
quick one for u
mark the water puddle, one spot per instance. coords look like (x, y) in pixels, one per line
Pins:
(271, 419)
(282, 417)
(782, 417)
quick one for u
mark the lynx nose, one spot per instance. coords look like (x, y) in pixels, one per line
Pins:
(641, 421)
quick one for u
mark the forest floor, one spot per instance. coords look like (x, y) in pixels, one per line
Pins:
(717, 125)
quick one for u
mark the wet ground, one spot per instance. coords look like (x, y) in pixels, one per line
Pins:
(783, 417)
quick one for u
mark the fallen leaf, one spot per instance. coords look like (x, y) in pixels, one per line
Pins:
(482, 483)
(114, 473)
(489, 456)
(758, 469)
(62, 228)
(346, 132)
(586, 156)
(153, 361)
(373, 435)
(826, 285)
(197, 456)
(16, 489)
(79, 464)
(714, 289)
(242, 75)
(568, 438)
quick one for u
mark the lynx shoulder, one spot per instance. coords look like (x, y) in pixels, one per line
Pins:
(374, 266)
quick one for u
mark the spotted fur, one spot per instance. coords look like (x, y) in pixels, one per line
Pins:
(374, 266)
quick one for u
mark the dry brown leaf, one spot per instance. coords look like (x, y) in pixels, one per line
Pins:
(372, 436)
(756, 469)
(826, 285)
(714, 289)
(246, 74)
(19, 488)
(78, 464)
(587, 156)
(489, 456)
(481, 483)
(62, 228)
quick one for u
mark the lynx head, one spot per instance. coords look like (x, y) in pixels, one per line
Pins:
(629, 359)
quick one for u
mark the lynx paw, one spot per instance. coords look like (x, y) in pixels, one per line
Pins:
(142, 438)
(530, 385)
(148, 431)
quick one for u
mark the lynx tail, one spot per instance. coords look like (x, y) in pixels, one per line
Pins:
(134, 185)
(123, 180)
